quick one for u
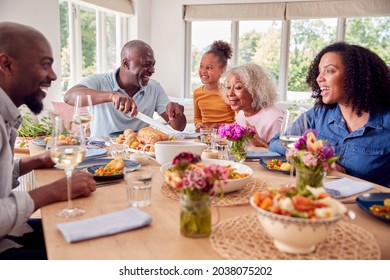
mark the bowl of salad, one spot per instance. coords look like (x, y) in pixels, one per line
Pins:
(297, 220)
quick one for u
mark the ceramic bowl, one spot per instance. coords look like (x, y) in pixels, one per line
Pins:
(165, 151)
(229, 185)
(294, 235)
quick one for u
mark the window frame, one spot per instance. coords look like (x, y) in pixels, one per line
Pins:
(75, 39)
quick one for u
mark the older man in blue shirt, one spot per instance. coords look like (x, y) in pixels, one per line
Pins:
(117, 96)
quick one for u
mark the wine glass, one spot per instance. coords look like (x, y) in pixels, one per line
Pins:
(81, 115)
(67, 151)
(293, 127)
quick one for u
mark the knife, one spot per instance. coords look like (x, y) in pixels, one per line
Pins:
(154, 123)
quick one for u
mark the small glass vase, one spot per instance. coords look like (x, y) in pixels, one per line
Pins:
(195, 215)
(238, 150)
(305, 177)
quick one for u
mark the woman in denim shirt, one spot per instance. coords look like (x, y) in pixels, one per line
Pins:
(351, 85)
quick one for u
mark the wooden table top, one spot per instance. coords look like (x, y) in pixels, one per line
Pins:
(162, 239)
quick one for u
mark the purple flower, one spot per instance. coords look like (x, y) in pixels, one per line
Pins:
(300, 144)
(189, 157)
(235, 131)
(328, 150)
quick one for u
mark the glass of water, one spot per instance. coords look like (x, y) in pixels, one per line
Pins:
(138, 188)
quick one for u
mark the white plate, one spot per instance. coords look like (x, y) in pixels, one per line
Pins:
(232, 184)
(152, 154)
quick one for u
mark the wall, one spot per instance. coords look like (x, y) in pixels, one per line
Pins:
(44, 16)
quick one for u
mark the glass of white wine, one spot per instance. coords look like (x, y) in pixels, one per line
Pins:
(81, 115)
(67, 151)
(293, 127)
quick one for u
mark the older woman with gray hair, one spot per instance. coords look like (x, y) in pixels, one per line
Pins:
(251, 92)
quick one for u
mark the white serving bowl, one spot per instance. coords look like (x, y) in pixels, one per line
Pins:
(294, 235)
(165, 151)
(229, 185)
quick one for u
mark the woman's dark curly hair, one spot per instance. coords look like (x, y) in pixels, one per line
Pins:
(366, 78)
(223, 50)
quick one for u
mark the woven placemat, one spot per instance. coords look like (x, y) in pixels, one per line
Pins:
(243, 238)
(240, 197)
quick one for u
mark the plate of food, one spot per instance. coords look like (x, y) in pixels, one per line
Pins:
(375, 204)
(112, 169)
(115, 134)
(276, 163)
(41, 142)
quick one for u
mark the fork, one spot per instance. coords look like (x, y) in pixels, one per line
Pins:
(113, 182)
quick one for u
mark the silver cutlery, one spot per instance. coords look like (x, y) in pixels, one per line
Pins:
(106, 183)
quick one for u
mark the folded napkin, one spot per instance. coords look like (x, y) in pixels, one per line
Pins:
(346, 187)
(95, 141)
(259, 154)
(124, 220)
(92, 153)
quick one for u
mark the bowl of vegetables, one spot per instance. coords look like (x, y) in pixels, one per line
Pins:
(297, 220)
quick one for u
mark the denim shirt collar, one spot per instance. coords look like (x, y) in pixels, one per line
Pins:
(375, 120)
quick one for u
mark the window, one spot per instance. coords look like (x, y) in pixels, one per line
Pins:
(373, 33)
(259, 42)
(91, 35)
(286, 47)
(307, 38)
(204, 34)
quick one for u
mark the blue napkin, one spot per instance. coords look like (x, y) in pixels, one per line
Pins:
(346, 187)
(92, 153)
(108, 224)
(260, 154)
(96, 142)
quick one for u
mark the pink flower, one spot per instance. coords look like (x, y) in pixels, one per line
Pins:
(187, 175)
(309, 159)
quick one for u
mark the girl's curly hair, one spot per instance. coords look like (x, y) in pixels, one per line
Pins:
(223, 50)
(366, 78)
(259, 83)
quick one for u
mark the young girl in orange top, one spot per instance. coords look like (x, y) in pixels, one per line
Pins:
(210, 110)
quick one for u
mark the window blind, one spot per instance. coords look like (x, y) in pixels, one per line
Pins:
(235, 12)
(335, 9)
(288, 10)
(124, 7)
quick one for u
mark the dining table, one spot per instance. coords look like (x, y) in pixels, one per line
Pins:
(162, 239)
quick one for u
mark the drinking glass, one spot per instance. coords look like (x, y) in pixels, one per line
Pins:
(207, 136)
(67, 151)
(293, 127)
(81, 115)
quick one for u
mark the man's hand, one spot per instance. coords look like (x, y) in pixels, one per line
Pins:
(174, 110)
(124, 103)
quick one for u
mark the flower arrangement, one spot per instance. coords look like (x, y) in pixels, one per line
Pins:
(195, 183)
(238, 137)
(312, 158)
(194, 179)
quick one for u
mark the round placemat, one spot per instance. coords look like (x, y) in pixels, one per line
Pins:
(240, 197)
(243, 238)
